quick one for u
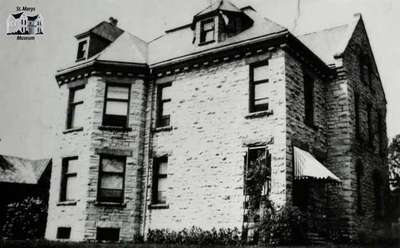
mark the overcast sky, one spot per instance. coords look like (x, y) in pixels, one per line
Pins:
(30, 110)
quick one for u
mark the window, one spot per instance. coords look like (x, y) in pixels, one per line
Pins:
(377, 182)
(69, 185)
(163, 105)
(381, 133)
(207, 31)
(370, 126)
(365, 70)
(359, 174)
(116, 105)
(301, 193)
(308, 82)
(258, 159)
(82, 50)
(63, 232)
(160, 167)
(111, 178)
(107, 234)
(258, 87)
(75, 116)
(357, 114)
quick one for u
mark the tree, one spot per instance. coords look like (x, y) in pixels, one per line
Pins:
(394, 162)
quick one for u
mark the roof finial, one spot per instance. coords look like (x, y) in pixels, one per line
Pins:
(113, 21)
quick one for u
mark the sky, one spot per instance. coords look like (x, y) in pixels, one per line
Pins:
(31, 111)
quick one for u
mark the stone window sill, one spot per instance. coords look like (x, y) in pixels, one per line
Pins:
(110, 204)
(158, 206)
(113, 128)
(66, 203)
(74, 129)
(259, 114)
(206, 42)
(162, 129)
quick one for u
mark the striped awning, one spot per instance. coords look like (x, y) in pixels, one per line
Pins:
(306, 166)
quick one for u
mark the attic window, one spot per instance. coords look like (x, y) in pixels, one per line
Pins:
(82, 49)
(207, 31)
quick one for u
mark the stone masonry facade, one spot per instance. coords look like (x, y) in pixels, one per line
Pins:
(210, 131)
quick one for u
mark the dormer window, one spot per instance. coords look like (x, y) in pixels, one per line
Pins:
(82, 49)
(207, 31)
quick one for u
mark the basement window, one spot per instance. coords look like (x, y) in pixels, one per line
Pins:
(111, 178)
(63, 232)
(207, 31)
(258, 87)
(160, 166)
(107, 234)
(116, 105)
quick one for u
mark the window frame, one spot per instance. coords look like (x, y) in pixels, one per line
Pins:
(370, 126)
(253, 107)
(156, 176)
(309, 98)
(82, 52)
(162, 120)
(109, 120)
(61, 230)
(203, 31)
(72, 105)
(65, 176)
(357, 115)
(359, 176)
(99, 196)
(268, 180)
(365, 70)
(99, 231)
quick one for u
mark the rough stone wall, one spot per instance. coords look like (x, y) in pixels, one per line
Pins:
(87, 214)
(371, 157)
(210, 131)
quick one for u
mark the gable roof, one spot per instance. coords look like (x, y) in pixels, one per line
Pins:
(331, 42)
(178, 43)
(32, 18)
(20, 170)
(105, 30)
(16, 16)
(219, 5)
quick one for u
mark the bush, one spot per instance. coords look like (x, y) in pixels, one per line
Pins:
(285, 226)
(25, 220)
(195, 236)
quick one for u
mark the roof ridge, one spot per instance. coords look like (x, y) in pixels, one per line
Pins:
(325, 29)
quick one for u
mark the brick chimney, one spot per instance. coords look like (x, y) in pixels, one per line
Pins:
(113, 21)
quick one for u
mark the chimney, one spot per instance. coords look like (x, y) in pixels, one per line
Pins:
(113, 21)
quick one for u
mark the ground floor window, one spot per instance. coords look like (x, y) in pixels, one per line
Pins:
(111, 178)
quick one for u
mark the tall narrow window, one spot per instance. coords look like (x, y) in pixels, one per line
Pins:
(357, 115)
(75, 114)
(69, 186)
(160, 166)
(365, 70)
(82, 50)
(308, 99)
(377, 182)
(370, 126)
(116, 105)
(258, 163)
(111, 178)
(207, 31)
(359, 174)
(163, 105)
(258, 87)
(381, 133)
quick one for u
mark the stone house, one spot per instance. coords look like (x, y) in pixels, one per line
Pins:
(162, 134)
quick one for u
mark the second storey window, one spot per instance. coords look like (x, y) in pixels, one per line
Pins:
(258, 87)
(207, 31)
(116, 105)
(159, 180)
(357, 114)
(69, 187)
(111, 178)
(308, 99)
(75, 108)
(163, 105)
(365, 70)
(370, 126)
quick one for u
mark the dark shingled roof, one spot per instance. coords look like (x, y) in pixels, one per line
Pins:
(16, 16)
(32, 18)
(20, 170)
(103, 29)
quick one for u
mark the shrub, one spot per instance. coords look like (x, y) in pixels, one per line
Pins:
(283, 226)
(195, 236)
(25, 219)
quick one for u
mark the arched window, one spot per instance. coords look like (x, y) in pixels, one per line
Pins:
(359, 175)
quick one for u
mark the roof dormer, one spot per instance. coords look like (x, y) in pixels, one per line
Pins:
(97, 38)
(219, 21)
